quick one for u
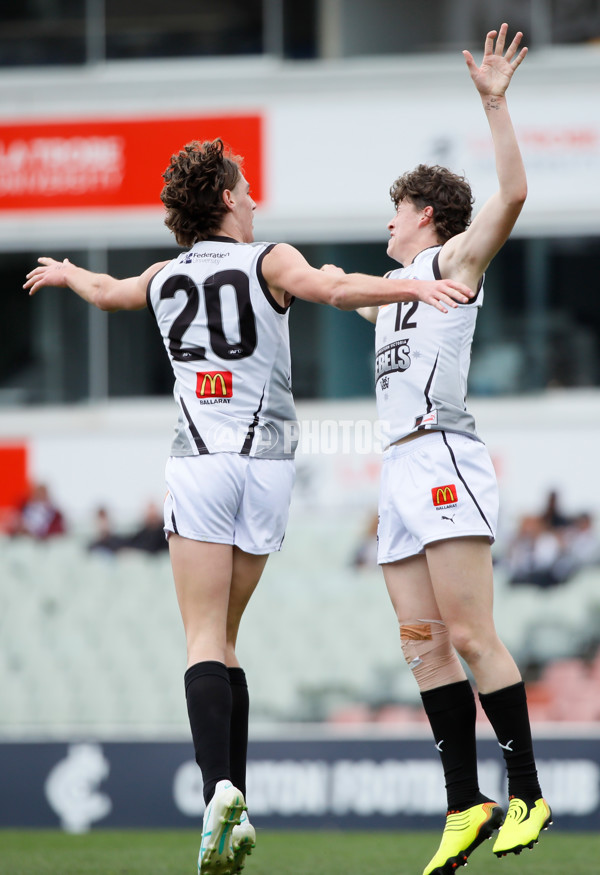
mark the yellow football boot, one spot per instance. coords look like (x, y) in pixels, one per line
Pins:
(522, 826)
(464, 831)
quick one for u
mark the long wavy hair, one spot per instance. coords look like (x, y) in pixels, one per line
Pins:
(194, 184)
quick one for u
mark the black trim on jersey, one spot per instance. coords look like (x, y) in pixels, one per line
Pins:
(263, 283)
(433, 246)
(437, 274)
(464, 482)
(215, 238)
(200, 445)
(245, 451)
(428, 386)
(173, 522)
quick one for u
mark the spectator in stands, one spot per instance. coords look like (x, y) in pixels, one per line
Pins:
(582, 546)
(552, 515)
(366, 552)
(39, 517)
(533, 553)
(106, 541)
(150, 537)
(550, 548)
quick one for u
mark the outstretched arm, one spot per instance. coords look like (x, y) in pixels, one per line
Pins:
(99, 289)
(288, 273)
(467, 255)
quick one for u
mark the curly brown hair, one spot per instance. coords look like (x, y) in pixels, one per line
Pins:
(434, 186)
(194, 183)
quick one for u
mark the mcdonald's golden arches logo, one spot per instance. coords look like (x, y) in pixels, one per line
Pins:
(214, 384)
(444, 495)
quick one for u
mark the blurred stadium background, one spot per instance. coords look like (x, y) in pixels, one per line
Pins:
(328, 100)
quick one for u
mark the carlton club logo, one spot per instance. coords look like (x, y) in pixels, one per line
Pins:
(214, 384)
(444, 495)
(72, 787)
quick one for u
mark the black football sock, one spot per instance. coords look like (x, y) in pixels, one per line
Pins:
(238, 752)
(451, 712)
(506, 709)
(208, 695)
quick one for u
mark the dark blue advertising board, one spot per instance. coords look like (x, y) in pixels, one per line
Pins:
(354, 783)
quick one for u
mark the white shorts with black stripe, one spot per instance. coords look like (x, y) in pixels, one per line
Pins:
(441, 485)
(226, 498)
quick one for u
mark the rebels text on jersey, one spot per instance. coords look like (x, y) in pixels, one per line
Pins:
(422, 359)
(228, 342)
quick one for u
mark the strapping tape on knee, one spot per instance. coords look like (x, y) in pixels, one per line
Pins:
(427, 650)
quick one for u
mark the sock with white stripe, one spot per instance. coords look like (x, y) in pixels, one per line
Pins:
(451, 712)
(506, 709)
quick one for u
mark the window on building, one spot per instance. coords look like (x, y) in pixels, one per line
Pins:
(59, 32)
(55, 32)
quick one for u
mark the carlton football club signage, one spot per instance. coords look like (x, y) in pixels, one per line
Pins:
(111, 162)
(334, 783)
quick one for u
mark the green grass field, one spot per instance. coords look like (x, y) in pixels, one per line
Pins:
(280, 853)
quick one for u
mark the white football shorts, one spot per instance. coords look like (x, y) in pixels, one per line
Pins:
(225, 498)
(441, 485)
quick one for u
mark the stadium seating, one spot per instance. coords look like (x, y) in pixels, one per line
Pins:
(93, 644)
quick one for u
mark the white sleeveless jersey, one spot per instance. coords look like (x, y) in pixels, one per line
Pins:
(228, 342)
(422, 359)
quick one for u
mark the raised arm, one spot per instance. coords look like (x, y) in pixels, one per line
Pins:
(287, 273)
(467, 255)
(99, 289)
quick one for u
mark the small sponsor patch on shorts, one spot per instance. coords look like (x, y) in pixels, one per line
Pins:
(426, 420)
(442, 496)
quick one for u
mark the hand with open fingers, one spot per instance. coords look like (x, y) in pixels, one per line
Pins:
(50, 273)
(498, 65)
(442, 294)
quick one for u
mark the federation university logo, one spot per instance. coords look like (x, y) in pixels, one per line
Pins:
(444, 496)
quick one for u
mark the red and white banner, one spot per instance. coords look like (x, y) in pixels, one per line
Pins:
(111, 162)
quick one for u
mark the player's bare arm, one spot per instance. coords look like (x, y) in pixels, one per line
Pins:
(288, 274)
(368, 313)
(101, 290)
(466, 256)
